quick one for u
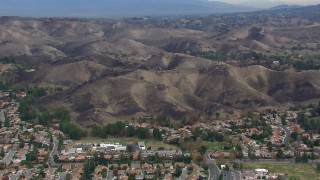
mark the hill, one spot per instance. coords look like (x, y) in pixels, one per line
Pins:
(190, 87)
(284, 6)
(178, 67)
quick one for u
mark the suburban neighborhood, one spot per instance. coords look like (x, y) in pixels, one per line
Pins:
(34, 151)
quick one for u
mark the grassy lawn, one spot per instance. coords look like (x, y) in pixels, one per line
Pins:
(126, 140)
(156, 144)
(214, 145)
(292, 170)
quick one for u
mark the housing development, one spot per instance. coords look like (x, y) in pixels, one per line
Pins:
(211, 149)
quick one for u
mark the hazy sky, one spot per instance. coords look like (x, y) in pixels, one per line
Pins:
(302, 2)
(130, 8)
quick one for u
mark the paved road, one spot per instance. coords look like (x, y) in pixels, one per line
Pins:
(14, 176)
(51, 162)
(62, 175)
(2, 118)
(184, 174)
(8, 158)
(214, 171)
(287, 137)
(110, 175)
(265, 160)
(237, 175)
(227, 175)
(231, 175)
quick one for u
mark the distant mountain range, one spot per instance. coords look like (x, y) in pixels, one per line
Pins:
(115, 8)
(283, 6)
(265, 4)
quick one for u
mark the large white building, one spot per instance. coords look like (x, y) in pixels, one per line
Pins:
(261, 171)
(113, 146)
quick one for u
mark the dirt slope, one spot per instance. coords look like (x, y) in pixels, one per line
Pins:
(116, 68)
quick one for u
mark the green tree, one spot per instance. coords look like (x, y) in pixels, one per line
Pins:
(270, 146)
(27, 114)
(251, 155)
(130, 148)
(72, 130)
(97, 131)
(6, 121)
(178, 172)
(217, 115)
(163, 120)
(297, 158)
(116, 129)
(203, 150)
(143, 133)
(280, 154)
(294, 136)
(45, 118)
(88, 169)
(32, 156)
(2, 153)
(60, 142)
(62, 114)
(301, 119)
(313, 124)
(236, 165)
(130, 131)
(104, 173)
(318, 167)
(157, 134)
(21, 145)
(68, 176)
(304, 158)
(32, 138)
(220, 177)
(283, 119)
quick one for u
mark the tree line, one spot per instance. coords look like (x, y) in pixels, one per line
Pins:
(65, 125)
(287, 59)
(207, 135)
(120, 129)
(27, 113)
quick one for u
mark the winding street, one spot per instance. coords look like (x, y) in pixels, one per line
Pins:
(287, 137)
(51, 162)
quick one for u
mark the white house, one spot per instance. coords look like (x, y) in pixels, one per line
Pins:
(141, 146)
(261, 171)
